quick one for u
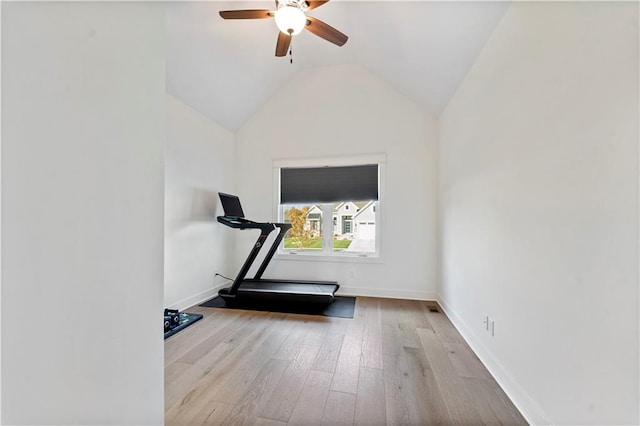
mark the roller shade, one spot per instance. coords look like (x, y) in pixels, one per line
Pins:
(328, 184)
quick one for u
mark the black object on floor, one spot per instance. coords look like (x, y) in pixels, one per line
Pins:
(342, 306)
(185, 321)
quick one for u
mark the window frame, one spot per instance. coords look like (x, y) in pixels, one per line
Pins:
(327, 253)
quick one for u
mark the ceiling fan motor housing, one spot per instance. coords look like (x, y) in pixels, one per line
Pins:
(300, 4)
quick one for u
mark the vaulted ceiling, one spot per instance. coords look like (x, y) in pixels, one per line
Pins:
(226, 69)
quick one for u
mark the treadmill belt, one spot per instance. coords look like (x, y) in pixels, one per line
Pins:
(341, 307)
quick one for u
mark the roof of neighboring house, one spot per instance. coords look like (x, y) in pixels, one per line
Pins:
(363, 209)
(358, 204)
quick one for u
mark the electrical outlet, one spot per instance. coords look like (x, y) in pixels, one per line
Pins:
(350, 273)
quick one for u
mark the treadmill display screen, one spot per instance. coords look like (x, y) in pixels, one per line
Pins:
(231, 205)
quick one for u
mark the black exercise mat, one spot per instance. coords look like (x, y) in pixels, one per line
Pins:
(185, 321)
(342, 306)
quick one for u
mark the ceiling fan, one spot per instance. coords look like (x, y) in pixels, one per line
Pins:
(291, 19)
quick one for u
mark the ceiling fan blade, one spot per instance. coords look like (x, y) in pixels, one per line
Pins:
(325, 31)
(312, 4)
(282, 46)
(246, 14)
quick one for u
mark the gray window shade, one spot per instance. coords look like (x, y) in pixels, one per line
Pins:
(328, 184)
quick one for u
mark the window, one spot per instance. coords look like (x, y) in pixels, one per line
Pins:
(332, 209)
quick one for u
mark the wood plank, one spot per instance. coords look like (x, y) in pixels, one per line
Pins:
(391, 340)
(413, 316)
(337, 325)
(345, 378)
(183, 342)
(339, 409)
(315, 330)
(247, 408)
(178, 385)
(443, 328)
(390, 311)
(310, 405)
(370, 400)
(401, 403)
(398, 334)
(292, 343)
(174, 371)
(181, 385)
(371, 353)
(492, 404)
(465, 361)
(329, 351)
(415, 313)
(284, 397)
(267, 422)
(406, 316)
(411, 391)
(234, 332)
(459, 404)
(353, 337)
(432, 408)
(211, 413)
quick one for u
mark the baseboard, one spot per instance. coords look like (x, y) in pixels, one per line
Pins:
(525, 404)
(200, 297)
(385, 293)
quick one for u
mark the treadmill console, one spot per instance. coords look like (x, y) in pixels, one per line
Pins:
(241, 223)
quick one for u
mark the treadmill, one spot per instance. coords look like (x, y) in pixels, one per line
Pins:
(258, 288)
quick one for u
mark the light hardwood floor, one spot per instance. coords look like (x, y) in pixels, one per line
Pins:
(396, 362)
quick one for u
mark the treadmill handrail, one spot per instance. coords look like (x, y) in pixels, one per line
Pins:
(283, 228)
(265, 229)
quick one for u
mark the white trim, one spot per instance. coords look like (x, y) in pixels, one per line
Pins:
(637, 248)
(0, 225)
(379, 158)
(387, 294)
(531, 411)
(200, 297)
(349, 257)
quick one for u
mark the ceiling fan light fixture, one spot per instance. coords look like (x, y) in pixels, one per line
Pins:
(290, 19)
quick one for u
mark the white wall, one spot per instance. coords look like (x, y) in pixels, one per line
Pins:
(539, 209)
(82, 202)
(199, 161)
(345, 111)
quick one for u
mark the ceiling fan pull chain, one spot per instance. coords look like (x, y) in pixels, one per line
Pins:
(290, 46)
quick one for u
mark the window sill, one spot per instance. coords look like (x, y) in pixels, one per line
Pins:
(343, 258)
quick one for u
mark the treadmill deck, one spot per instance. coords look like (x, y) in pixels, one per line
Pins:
(320, 292)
